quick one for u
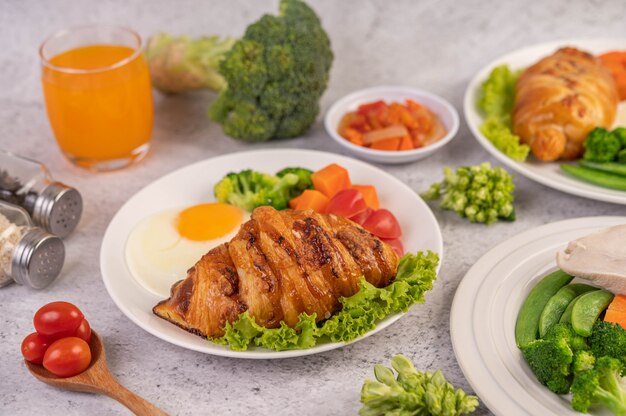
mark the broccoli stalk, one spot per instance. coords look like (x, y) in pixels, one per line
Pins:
(602, 385)
(270, 81)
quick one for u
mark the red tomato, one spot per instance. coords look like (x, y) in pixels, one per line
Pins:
(347, 203)
(383, 224)
(34, 347)
(67, 357)
(397, 246)
(84, 331)
(361, 217)
(58, 319)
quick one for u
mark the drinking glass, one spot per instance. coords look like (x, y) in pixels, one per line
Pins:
(98, 95)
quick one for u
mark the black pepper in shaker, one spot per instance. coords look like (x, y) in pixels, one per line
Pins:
(52, 205)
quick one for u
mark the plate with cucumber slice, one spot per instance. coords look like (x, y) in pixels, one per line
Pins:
(515, 294)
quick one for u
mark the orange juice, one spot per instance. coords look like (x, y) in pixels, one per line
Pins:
(99, 103)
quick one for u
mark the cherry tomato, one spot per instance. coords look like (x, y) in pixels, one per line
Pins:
(67, 357)
(362, 216)
(84, 331)
(383, 224)
(58, 319)
(34, 347)
(347, 203)
(397, 246)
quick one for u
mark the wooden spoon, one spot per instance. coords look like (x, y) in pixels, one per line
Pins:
(97, 379)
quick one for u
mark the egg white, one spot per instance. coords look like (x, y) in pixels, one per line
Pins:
(157, 256)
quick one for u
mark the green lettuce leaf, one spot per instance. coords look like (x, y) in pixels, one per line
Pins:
(496, 99)
(359, 314)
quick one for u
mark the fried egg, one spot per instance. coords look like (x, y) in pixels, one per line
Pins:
(162, 247)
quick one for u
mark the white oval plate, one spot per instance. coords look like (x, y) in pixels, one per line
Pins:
(485, 308)
(548, 174)
(194, 184)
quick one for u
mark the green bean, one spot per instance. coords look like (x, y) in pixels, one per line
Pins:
(596, 177)
(609, 167)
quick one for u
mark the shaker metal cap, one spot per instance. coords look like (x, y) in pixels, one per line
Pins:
(58, 209)
(38, 259)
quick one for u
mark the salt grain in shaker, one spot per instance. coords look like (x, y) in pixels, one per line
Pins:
(52, 205)
(28, 254)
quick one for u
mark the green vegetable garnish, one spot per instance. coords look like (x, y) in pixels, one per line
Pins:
(497, 94)
(250, 189)
(602, 385)
(360, 313)
(270, 81)
(601, 145)
(412, 393)
(479, 193)
(304, 180)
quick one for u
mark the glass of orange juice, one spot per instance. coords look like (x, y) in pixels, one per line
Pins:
(98, 95)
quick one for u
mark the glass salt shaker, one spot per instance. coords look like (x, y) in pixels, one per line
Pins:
(28, 255)
(52, 205)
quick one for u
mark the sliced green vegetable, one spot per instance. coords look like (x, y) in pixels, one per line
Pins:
(567, 315)
(527, 325)
(557, 305)
(596, 177)
(609, 167)
(587, 310)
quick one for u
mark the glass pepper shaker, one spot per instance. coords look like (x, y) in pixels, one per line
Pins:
(28, 255)
(52, 205)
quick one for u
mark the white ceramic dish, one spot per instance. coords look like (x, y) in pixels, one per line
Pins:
(194, 184)
(548, 174)
(446, 112)
(485, 308)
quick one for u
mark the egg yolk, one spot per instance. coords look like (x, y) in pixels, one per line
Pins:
(208, 221)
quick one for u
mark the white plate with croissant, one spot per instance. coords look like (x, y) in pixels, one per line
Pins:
(219, 283)
(554, 117)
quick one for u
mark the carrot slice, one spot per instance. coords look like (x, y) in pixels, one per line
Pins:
(406, 143)
(353, 136)
(369, 194)
(293, 202)
(618, 303)
(312, 199)
(387, 144)
(331, 179)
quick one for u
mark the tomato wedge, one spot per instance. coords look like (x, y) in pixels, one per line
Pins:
(397, 246)
(383, 224)
(347, 203)
(362, 216)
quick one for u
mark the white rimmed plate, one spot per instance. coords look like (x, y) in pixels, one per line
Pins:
(548, 174)
(485, 308)
(193, 184)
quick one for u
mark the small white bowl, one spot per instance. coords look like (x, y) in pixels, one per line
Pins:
(446, 112)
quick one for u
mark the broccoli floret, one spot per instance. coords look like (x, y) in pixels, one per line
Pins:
(304, 180)
(621, 155)
(479, 193)
(620, 133)
(276, 75)
(550, 360)
(583, 361)
(602, 385)
(565, 331)
(601, 145)
(608, 339)
(249, 189)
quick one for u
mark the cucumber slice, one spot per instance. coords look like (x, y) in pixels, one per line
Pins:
(586, 310)
(527, 325)
(557, 305)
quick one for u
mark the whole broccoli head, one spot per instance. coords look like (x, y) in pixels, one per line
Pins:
(249, 189)
(276, 75)
(602, 385)
(608, 339)
(479, 193)
(601, 145)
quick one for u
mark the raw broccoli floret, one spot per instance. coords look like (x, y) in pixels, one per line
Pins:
(583, 361)
(602, 385)
(479, 193)
(304, 180)
(249, 189)
(551, 358)
(276, 75)
(602, 145)
(608, 339)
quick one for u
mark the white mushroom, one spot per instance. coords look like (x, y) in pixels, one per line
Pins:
(599, 258)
